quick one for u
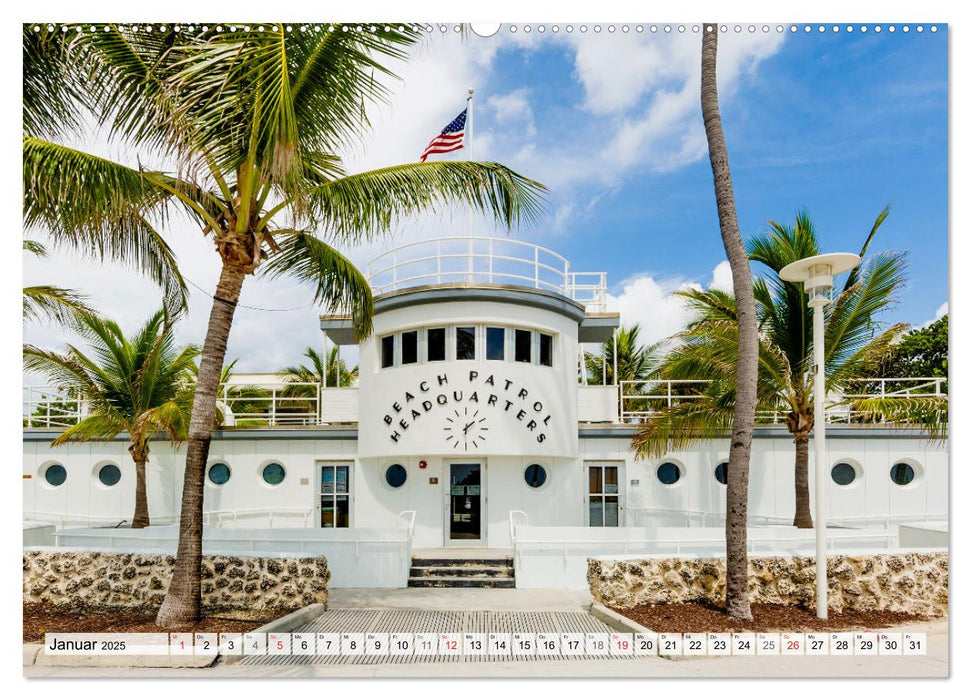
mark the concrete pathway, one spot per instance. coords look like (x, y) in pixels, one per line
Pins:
(535, 600)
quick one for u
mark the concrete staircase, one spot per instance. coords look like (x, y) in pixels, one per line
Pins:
(462, 573)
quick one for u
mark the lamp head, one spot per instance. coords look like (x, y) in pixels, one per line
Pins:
(817, 272)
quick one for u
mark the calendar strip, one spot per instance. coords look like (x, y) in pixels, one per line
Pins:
(474, 645)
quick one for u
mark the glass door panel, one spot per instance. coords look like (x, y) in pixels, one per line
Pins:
(465, 502)
(335, 495)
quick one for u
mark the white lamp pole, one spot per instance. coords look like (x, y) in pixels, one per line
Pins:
(816, 274)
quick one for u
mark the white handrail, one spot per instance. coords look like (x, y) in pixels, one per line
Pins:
(408, 265)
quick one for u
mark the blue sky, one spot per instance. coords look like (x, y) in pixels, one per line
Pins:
(838, 123)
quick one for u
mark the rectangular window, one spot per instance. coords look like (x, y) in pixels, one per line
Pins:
(335, 496)
(409, 347)
(436, 344)
(495, 343)
(465, 343)
(387, 351)
(524, 346)
(546, 350)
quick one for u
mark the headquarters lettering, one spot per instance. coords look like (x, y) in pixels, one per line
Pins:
(432, 393)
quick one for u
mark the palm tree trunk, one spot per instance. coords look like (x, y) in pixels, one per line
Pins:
(140, 519)
(743, 422)
(803, 516)
(182, 604)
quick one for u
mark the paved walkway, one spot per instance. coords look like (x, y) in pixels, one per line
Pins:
(550, 600)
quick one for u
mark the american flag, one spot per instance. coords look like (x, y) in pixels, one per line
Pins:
(450, 139)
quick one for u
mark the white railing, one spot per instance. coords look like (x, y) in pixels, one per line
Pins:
(642, 518)
(50, 407)
(640, 399)
(210, 517)
(516, 517)
(270, 402)
(476, 260)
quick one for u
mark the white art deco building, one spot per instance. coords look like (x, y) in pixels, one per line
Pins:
(471, 426)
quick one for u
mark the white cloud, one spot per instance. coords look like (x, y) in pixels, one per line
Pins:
(513, 109)
(649, 301)
(721, 277)
(941, 312)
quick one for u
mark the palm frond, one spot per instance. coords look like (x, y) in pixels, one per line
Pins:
(364, 205)
(927, 414)
(101, 209)
(335, 280)
(53, 303)
(100, 426)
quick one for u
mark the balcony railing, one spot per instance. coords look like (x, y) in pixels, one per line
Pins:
(268, 400)
(641, 399)
(472, 260)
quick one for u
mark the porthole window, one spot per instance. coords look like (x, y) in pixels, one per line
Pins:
(535, 475)
(669, 473)
(219, 473)
(274, 474)
(55, 474)
(843, 473)
(902, 473)
(721, 473)
(109, 475)
(395, 475)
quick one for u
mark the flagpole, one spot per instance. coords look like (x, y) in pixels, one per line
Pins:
(468, 136)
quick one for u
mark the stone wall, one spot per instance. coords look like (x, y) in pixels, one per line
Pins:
(97, 579)
(910, 582)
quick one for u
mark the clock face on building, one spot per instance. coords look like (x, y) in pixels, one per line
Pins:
(465, 428)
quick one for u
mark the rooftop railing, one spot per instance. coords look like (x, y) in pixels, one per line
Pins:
(474, 260)
(269, 400)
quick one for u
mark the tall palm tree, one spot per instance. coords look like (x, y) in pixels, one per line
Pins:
(253, 119)
(47, 302)
(746, 371)
(855, 345)
(140, 385)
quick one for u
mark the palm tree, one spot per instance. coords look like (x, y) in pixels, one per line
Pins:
(253, 118)
(854, 347)
(746, 371)
(635, 362)
(49, 302)
(337, 372)
(140, 385)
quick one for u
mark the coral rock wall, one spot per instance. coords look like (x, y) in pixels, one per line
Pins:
(84, 580)
(910, 582)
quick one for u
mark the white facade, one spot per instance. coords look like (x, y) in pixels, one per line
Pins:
(457, 440)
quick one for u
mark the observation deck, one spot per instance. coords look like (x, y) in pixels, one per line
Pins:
(479, 261)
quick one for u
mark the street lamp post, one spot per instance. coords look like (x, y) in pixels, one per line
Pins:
(816, 273)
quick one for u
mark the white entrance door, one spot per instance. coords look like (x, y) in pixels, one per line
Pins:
(604, 499)
(334, 495)
(466, 505)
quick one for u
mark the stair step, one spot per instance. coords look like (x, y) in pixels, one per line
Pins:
(461, 582)
(462, 571)
(421, 561)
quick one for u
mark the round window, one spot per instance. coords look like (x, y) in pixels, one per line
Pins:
(902, 473)
(274, 474)
(219, 473)
(109, 475)
(55, 474)
(843, 474)
(395, 475)
(669, 473)
(535, 475)
(721, 473)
